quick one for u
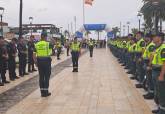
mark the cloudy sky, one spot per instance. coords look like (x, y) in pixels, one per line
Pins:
(62, 12)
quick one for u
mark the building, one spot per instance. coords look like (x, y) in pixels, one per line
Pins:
(5, 28)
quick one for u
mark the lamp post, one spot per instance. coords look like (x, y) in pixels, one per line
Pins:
(1, 14)
(139, 17)
(128, 23)
(61, 30)
(123, 30)
(75, 21)
(31, 21)
(20, 19)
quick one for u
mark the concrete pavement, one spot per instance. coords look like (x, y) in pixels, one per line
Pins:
(100, 87)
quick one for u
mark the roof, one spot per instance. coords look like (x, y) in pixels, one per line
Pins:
(3, 24)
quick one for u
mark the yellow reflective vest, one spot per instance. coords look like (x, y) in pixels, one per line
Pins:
(43, 49)
(147, 53)
(139, 47)
(157, 59)
(75, 46)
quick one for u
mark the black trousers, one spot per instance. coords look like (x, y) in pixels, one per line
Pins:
(30, 63)
(91, 51)
(12, 68)
(67, 51)
(22, 65)
(58, 53)
(44, 68)
(75, 57)
(3, 68)
(140, 71)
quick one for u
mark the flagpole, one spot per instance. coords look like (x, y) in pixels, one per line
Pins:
(83, 12)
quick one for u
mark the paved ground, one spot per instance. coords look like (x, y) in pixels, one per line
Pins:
(100, 87)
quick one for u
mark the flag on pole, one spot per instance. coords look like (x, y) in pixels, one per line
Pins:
(89, 2)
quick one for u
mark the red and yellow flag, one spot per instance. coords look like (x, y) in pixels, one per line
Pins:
(89, 2)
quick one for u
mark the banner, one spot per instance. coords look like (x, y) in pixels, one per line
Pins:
(89, 2)
(97, 27)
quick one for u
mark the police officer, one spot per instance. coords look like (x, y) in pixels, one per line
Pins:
(131, 57)
(42, 58)
(161, 83)
(139, 63)
(31, 48)
(67, 46)
(158, 62)
(75, 51)
(1, 44)
(12, 51)
(91, 46)
(22, 54)
(58, 46)
(4, 58)
(148, 72)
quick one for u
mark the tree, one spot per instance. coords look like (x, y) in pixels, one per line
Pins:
(115, 30)
(87, 33)
(134, 30)
(66, 33)
(153, 11)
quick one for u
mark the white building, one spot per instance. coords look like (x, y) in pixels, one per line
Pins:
(5, 28)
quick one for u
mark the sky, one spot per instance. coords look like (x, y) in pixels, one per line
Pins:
(62, 12)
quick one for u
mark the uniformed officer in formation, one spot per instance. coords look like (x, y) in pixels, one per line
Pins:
(42, 57)
(12, 52)
(140, 45)
(147, 64)
(3, 61)
(150, 47)
(1, 43)
(31, 48)
(91, 47)
(75, 51)
(22, 54)
(158, 73)
(67, 46)
(58, 47)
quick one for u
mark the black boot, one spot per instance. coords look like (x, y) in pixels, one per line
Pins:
(155, 111)
(149, 96)
(47, 93)
(139, 86)
(1, 84)
(43, 94)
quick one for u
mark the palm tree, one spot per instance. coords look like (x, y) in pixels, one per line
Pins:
(87, 33)
(66, 33)
(134, 30)
(153, 11)
(115, 30)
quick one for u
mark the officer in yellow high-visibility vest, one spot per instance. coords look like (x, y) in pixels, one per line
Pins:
(75, 51)
(91, 46)
(158, 73)
(148, 72)
(42, 57)
(140, 46)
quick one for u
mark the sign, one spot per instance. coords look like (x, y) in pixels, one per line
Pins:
(110, 35)
(79, 34)
(97, 27)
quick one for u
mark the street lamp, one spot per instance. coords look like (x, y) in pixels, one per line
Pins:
(61, 30)
(20, 19)
(123, 30)
(1, 14)
(139, 17)
(31, 21)
(128, 23)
